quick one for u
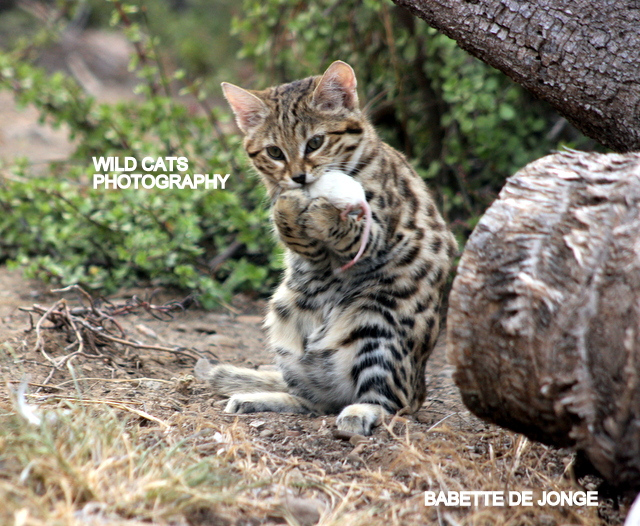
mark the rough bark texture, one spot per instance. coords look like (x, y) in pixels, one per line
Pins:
(544, 315)
(582, 56)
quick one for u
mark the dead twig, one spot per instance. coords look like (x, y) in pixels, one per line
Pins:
(93, 325)
(227, 253)
(39, 341)
(176, 350)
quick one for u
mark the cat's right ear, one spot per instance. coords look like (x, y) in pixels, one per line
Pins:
(248, 109)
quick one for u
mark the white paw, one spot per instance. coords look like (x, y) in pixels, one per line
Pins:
(360, 418)
(259, 402)
(240, 404)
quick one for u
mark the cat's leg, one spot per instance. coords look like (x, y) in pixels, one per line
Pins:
(274, 402)
(228, 380)
(378, 393)
(251, 391)
(380, 373)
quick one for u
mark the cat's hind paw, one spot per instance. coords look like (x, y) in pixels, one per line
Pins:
(227, 380)
(259, 402)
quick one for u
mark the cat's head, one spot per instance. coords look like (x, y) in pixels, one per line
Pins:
(295, 132)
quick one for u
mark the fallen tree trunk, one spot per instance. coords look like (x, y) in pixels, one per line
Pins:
(544, 315)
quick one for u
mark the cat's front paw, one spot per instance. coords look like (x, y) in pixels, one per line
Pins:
(321, 219)
(287, 215)
(290, 204)
(360, 418)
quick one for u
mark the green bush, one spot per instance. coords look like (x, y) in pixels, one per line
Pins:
(465, 126)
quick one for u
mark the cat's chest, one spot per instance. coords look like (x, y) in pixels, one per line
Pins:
(322, 304)
(318, 297)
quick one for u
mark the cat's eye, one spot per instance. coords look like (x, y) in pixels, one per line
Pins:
(314, 143)
(275, 153)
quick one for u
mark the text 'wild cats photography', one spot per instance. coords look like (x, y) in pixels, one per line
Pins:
(172, 174)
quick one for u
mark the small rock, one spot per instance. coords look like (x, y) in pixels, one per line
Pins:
(424, 418)
(266, 433)
(219, 438)
(257, 423)
(306, 512)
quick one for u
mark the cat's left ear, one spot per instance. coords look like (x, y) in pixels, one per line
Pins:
(337, 88)
(248, 109)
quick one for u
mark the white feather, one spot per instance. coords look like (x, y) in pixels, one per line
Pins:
(26, 411)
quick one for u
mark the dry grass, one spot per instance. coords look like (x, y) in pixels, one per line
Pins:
(88, 463)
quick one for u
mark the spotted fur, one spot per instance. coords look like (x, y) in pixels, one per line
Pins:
(356, 342)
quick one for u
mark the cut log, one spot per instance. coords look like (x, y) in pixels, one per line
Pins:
(544, 314)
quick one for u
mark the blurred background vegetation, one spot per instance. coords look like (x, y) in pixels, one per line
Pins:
(464, 126)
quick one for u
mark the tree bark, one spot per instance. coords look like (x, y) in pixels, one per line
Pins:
(582, 56)
(544, 314)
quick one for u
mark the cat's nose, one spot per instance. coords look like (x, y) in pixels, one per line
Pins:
(299, 178)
